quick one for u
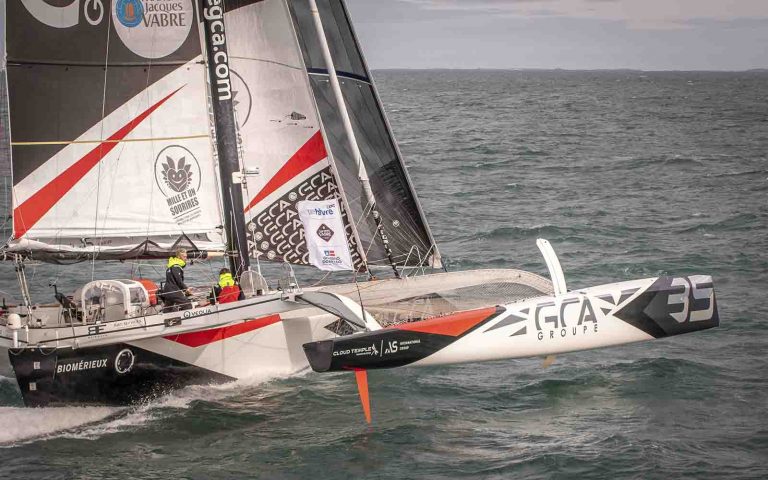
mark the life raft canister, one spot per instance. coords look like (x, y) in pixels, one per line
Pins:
(152, 289)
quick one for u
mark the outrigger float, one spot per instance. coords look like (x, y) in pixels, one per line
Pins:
(252, 131)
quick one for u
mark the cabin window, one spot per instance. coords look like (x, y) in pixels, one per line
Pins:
(138, 296)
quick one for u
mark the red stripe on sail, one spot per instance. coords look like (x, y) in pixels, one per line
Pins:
(309, 154)
(451, 325)
(26, 215)
(206, 337)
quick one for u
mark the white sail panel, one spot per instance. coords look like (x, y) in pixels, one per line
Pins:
(280, 130)
(110, 135)
(145, 171)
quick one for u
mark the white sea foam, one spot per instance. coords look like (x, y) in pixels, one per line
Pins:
(22, 424)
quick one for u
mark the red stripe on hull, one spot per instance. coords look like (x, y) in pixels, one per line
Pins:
(26, 215)
(450, 325)
(206, 337)
(309, 154)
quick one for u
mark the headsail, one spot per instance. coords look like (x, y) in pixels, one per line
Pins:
(111, 150)
(284, 153)
(406, 228)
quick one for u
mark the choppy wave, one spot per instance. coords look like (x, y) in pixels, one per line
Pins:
(627, 178)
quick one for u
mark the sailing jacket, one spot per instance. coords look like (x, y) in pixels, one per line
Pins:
(227, 290)
(174, 275)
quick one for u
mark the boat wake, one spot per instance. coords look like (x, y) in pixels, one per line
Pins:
(28, 425)
(21, 425)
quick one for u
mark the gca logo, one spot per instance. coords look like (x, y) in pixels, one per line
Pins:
(67, 16)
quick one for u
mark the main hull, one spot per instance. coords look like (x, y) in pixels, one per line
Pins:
(260, 337)
(134, 372)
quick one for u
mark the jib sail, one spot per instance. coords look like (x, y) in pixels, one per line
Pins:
(284, 154)
(409, 236)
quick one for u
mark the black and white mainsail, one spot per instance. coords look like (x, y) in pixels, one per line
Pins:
(109, 125)
(116, 133)
(294, 141)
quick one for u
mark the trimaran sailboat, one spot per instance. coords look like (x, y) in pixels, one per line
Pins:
(250, 129)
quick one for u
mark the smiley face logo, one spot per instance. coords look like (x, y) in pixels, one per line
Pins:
(177, 176)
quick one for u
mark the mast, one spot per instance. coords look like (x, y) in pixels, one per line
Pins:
(342, 107)
(215, 41)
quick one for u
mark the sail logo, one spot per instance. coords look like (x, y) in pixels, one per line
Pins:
(242, 100)
(65, 16)
(178, 175)
(217, 49)
(331, 259)
(153, 28)
(129, 12)
(325, 232)
(325, 211)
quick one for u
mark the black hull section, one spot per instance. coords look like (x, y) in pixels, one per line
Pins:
(112, 375)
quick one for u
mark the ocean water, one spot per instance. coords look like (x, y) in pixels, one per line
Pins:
(629, 175)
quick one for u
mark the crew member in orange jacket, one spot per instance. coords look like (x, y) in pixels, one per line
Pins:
(227, 290)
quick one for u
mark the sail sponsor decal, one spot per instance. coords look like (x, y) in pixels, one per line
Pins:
(153, 28)
(65, 16)
(149, 28)
(26, 215)
(179, 177)
(213, 13)
(276, 232)
(242, 99)
(329, 251)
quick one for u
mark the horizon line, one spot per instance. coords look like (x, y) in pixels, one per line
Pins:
(517, 69)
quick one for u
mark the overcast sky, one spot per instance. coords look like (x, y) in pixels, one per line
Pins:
(572, 34)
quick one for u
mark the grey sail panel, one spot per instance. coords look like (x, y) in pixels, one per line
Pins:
(404, 223)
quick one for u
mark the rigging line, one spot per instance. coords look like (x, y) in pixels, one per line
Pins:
(321, 280)
(107, 141)
(109, 199)
(152, 146)
(360, 297)
(263, 60)
(101, 145)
